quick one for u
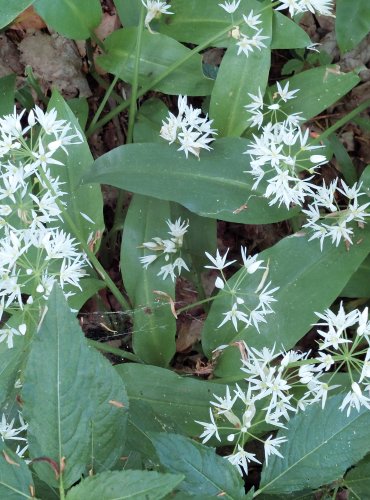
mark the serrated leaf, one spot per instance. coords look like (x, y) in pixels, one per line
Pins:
(357, 480)
(340, 439)
(71, 19)
(178, 399)
(15, 477)
(298, 265)
(121, 485)
(154, 324)
(58, 404)
(205, 472)
(158, 53)
(215, 187)
(109, 421)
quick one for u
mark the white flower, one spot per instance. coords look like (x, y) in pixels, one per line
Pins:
(271, 445)
(9, 332)
(219, 262)
(247, 44)
(251, 264)
(241, 458)
(234, 315)
(285, 93)
(8, 432)
(230, 7)
(154, 9)
(210, 429)
(355, 399)
(252, 21)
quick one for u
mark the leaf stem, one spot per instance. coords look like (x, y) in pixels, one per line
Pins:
(101, 346)
(104, 101)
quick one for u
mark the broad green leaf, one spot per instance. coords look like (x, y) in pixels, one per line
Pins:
(69, 18)
(174, 398)
(215, 187)
(15, 476)
(205, 472)
(58, 394)
(109, 421)
(344, 162)
(89, 286)
(357, 480)
(319, 88)
(154, 324)
(158, 53)
(237, 77)
(359, 283)
(365, 180)
(286, 34)
(10, 10)
(80, 108)
(342, 440)
(7, 89)
(81, 201)
(149, 121)
(296, 266)
(129, 484)
(352, 22)
(128, 12)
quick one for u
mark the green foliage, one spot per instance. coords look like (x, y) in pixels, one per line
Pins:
(15, 477)
(342, 440)
(357, 480)
(205, 472)
(10, 10)
(7, 88)
(216, 187)
(71, 19)
(355, 15)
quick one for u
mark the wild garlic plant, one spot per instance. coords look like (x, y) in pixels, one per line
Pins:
(35, 250)
(280, 384)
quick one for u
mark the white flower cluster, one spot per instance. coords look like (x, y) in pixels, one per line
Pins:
(248, 35)
(188, 128)
(9, 432)
(154, 9)
(168, 248)
(323, 7)
(246, 307)
(34, 251)
(282, 157)
(273, 376)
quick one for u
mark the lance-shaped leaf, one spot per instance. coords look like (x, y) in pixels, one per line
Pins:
(205, 472)
(286, 34)
(83, 203)
(7, 89)
(62, 396)
(158, 53)
(341, 440)
(237, 77)
(15, 476)
(296, 266)
(10, 10)
(357, 16)
(215, 187)
(72, 19)
(154, 324)
(129, 484)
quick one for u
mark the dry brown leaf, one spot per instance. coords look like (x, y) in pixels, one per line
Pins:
(28, 20)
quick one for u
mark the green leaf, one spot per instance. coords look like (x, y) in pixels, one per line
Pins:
(355, 15)
(340, 439)
(130, 484)
(15, 477)
(58, 401)
(237, 77)
(158, 53)
(154, 324)
(357, 480)
(319, 88)
(79, 200)
(90, 286)
(205, 472)
(178, 399)
(286, 34)
(10, 10)
(344, 162)
(149, 121)
(215, 187)
(298, 265)
(7, 90)
(67, 389)
(69, 18)
(359, 283)
(109, 421)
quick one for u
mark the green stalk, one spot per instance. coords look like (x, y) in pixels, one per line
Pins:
(104, 101)
(343, 121)
(113, 350)
(131, 120)
(162, 76)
